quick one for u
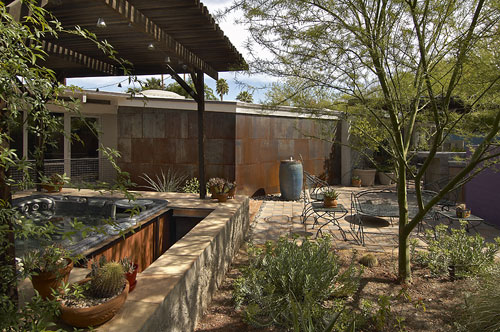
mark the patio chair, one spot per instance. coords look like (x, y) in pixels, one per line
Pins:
(450, 199)
(316, 186)
(316, 209)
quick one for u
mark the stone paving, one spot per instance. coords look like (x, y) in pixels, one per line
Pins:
(282, 218)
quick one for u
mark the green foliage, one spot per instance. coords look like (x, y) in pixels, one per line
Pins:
(192, 186)
(287, 276)
(482, 307)
(330, 193)
(245, 96)
(170, 182)
(36, 315)
(467, 254)
(48, 259)
(222, 87)
(107, 281)
(26, 85)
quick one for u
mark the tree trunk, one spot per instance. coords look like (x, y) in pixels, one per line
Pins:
(404, 269)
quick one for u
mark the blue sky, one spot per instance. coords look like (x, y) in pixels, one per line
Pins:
(236, 33)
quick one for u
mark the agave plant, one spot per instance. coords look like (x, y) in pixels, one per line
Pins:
(169, 182)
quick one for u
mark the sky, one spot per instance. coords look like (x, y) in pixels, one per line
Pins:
(236, 34)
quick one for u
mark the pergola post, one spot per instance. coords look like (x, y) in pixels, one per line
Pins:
(200, 89)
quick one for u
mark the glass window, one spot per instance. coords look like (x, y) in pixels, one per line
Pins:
(85, 140)
(53, 144)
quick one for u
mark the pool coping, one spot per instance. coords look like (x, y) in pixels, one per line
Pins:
(173, 292)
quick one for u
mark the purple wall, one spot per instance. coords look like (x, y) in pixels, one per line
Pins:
(482, 195)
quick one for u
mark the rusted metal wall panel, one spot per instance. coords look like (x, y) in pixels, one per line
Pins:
(242, 147)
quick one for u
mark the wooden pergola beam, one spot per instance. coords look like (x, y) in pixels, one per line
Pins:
(79, 58)
(164, 41)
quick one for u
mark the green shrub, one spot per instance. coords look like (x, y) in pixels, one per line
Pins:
(482, 308)
(192, 186)
(467, 254)
(285, 276)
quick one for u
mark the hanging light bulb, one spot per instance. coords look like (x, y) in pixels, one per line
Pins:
(101, 23)
(184, 66)
(120, 84)
(167, 59)
(151, 47)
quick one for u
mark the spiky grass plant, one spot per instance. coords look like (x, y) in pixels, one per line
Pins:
(169, 182)
(482, 308)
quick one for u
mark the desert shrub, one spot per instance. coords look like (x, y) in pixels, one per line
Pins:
(482, 308)
(284, 278)
(169, 182)
(192, 186)
(467, 254)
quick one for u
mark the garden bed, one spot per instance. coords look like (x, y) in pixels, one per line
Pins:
(428, 304)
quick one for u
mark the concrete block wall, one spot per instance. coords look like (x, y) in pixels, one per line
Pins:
(185, 303)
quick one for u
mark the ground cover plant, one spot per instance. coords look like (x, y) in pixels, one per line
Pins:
(458, 253)
(291, 285)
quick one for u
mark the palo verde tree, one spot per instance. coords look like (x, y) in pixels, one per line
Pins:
(403, 62)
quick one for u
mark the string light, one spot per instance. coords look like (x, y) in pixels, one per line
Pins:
(101, 24)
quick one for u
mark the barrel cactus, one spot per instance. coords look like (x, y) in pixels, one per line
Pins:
(108, 280)
(369, 260)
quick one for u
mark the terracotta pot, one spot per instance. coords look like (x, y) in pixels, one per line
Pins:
(329, 202)
(96, 315)
(356, 183)
(212, 191)
(45, 282)
(53, 188)
(131, 277)
(222, 197)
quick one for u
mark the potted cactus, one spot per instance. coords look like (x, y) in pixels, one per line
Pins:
(356, 181)
(330, 198)
(48, 268)
(95, 300)
(130, 270)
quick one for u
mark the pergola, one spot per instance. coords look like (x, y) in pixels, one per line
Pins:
(156, 36)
